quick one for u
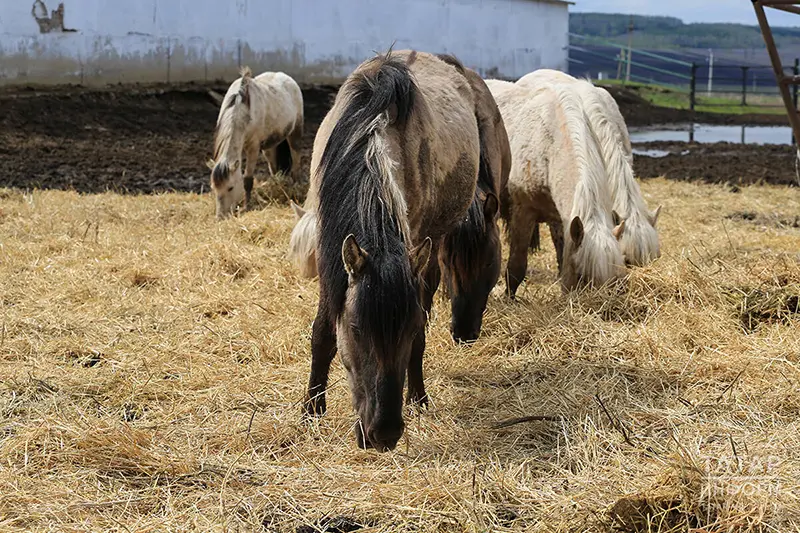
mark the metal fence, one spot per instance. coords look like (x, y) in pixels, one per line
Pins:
(696, 79)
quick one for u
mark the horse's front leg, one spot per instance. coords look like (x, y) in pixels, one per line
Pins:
(520, 232)
(251, 154)
(323, 349)
(416, 385)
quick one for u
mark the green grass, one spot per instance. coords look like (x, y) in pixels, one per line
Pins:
(678, 98)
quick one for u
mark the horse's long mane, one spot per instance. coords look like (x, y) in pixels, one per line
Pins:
(358, 194)
(233, 118)
(599, 253)
(626, 195)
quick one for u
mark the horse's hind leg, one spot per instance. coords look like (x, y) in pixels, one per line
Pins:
(521, 228)
(294, 140)
(323, 349)
(251, 154)
(535, 243)
(416, 385)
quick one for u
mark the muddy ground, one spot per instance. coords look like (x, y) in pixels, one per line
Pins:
(735, 164)
(157, 138)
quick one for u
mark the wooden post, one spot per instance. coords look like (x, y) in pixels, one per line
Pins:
(693, 87)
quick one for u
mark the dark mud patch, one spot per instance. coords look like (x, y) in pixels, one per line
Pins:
(128, 139)
(642, 514)
(765, 219)
(757, 307)
(736, 164)
(156, 138)
(336, 524)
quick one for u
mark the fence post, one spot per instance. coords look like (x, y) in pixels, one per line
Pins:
(693, 87)
(744, 85)
(795, 71)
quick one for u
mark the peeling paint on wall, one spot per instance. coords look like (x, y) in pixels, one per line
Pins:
(53, 23)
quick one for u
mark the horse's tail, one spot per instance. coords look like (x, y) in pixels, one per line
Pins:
(356, 160)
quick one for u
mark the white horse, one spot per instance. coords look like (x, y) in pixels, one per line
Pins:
(640, 243)
(265, 110)
(557, 176)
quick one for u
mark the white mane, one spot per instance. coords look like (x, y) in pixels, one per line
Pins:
(599, 254)
(639, 242)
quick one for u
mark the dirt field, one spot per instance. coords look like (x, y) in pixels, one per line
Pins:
(149, 139)
(153, 361)
(157, 138)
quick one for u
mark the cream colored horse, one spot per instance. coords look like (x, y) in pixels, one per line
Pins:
(265, 110)
(640, 244)
(557, 176)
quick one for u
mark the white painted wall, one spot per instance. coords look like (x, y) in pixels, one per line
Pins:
(313, 40)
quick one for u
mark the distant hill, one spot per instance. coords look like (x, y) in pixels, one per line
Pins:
(671, 33)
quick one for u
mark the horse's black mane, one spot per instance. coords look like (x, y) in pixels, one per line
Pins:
(388, 292)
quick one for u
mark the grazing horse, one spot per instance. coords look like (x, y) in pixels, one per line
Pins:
(470, 255)
(640, 244)
(266, 110)
(557, 175)
(398, 171)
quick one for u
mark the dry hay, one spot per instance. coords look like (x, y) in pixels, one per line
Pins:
(152, 362)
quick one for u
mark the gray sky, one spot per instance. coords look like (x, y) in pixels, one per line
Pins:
(740, 11)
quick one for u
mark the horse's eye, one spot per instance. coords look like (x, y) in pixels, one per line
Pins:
(230, 189)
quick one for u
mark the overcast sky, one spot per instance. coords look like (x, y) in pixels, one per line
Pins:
(740, 11)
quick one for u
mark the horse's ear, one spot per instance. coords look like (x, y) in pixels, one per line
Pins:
(490, 206)
(615, 217)
(210, 164)
(354, 258)
(298, 211)
(420, 256)
(618, 230)
(576, 232)
(244, 88)
(654, 218)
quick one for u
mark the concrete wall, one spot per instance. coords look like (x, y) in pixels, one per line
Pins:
(101, 41)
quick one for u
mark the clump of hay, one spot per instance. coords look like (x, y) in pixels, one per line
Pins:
(152, 369)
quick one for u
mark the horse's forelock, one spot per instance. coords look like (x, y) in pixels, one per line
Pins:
(599, 256)
(220, 173)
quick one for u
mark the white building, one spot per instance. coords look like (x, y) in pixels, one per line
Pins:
(101, 41)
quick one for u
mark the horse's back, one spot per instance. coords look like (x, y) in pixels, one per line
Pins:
(493, 132)
(442, 144)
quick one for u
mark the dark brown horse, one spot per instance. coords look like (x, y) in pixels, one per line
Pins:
(470, 255)
(397, 172)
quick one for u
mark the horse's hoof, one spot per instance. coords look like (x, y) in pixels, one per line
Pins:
(417, 400)
(314, 407)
